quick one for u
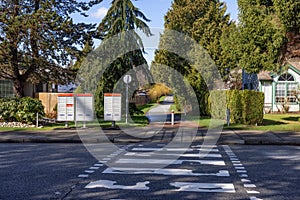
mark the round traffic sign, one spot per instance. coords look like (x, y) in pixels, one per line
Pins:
(127, 79)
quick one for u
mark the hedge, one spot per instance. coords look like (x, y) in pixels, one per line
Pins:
(246, 106)
(20, 109)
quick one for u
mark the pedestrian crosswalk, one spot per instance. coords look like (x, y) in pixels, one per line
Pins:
(137, 169)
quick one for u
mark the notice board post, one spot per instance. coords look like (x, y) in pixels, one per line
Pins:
(84, 108)
(112, 107)
(65, 108)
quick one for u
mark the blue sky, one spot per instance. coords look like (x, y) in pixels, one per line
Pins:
(154, 10)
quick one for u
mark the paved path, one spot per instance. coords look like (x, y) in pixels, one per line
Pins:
(161, 113)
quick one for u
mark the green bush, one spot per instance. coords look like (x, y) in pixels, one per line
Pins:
(20, 109)
(253, 105)
(217, 104)
(246, 106)
(234, 98)
(133, 110)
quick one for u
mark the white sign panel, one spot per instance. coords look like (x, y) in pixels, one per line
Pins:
(112, 107)
(65, 107)
(84, 107)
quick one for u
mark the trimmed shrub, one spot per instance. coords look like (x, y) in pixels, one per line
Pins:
(217, 104)
(246, 106)
(20, 109)
(235, 104)
(253, 105)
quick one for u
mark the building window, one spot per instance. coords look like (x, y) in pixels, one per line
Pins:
(6, 88)
(286, 77)
(285, 89)
(280, 92)
(291, 92)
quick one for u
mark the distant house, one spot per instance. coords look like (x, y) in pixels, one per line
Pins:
(30, 90)
(279, 89)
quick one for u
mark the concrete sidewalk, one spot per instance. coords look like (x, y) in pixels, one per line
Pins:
(157, 133)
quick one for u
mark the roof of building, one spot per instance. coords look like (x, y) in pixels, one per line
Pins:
(264, 75)
(295, 65)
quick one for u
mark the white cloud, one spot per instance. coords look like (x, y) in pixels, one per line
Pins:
(100, 12)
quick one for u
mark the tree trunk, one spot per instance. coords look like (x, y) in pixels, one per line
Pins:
(19, 88)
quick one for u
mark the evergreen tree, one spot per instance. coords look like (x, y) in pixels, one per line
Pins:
(261, 36)
(269, 34)
(121, 21)
(288, 11)
(37, 38)
(205, 22)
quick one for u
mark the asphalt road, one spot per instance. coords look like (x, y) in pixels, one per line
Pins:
(68, 171)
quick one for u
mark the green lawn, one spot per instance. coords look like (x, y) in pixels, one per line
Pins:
(271, 122)
(145, 108)
(135, 121)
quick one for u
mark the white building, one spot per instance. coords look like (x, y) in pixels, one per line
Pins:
(280, 89)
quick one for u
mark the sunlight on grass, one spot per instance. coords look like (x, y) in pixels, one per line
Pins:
(271, 122)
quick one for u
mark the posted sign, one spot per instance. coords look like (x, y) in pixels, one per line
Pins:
(112, 107)
(65, 107)
(84, 107)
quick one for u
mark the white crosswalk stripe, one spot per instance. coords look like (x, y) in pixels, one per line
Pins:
(187, 165)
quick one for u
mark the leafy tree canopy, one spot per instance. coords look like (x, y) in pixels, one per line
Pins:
(38, 37)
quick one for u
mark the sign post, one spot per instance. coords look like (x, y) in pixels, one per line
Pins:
(127, 80)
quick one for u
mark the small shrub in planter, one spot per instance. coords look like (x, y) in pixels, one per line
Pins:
(20, 109)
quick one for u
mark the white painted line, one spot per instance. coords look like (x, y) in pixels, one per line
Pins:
(237, 164)
(174, 162)
(231, 154)
(172, 172)
(106, 159)
(241, 171)
(245, 180)
(94, 168)
(89, 171)
(111, 156)
(195, 155)
(255, 198)
(146, 149)
(98, 165)
(204, 146)
(204, 187)
(236, 161)
(239, 167)
(244, 175)
(111, 185)
(209, 150)
(83, 175)
(252, 192)
(249, 185)
(162, 149)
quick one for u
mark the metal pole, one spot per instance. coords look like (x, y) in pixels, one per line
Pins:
(126, 103)
(172, 118)
(37, 120)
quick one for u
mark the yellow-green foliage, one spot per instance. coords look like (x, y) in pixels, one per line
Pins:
(157, 91)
